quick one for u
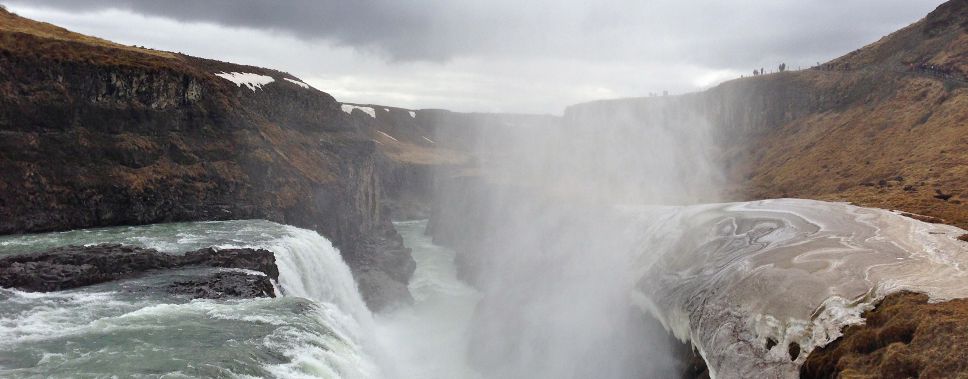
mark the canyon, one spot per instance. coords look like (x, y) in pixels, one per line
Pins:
(96, 134)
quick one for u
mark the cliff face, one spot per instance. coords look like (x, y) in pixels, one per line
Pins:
(424, 146)
(97, 134)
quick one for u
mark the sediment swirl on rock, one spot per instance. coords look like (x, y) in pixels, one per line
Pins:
(757, 286)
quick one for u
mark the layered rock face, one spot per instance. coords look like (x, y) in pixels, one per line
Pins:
(98, 134)
(424, 145)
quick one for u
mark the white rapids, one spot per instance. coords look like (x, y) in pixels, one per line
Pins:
(319, 327)
(725, 277)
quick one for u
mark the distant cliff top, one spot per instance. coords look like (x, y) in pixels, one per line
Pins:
(883, 126)
(26, 37)
(11, 22)
(939, 39)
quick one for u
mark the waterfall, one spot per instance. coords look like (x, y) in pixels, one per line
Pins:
(310, 267)
(319, 325)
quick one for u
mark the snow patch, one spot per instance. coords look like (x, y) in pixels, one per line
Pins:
(349, 109)
(298, 83)
(413, 114)
(252, 81)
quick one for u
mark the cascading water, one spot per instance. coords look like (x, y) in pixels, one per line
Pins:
(429, 339)
(319, 328)
(724, 277)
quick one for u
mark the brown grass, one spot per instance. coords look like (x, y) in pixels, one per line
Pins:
(10, 22)
(928, 219)
(894, 140)
(904, 336)
(895, 152)
(292, 147)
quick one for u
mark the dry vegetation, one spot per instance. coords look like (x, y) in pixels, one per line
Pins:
(11, 23)
(904, 337)
(406, 152)
(909, 152)
(896, 139)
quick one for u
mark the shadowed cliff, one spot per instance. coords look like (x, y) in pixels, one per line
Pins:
(99, 134)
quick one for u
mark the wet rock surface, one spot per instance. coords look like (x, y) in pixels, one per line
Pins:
(382, 273)
(76, 266)
(224, 285)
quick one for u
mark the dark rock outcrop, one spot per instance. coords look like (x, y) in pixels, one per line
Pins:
(224, 285)
(77, 266)
(379, 272)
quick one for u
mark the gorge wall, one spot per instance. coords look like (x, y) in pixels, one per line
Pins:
(882, 126)
(97, 134)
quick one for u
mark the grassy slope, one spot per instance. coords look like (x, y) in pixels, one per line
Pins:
(904, 337)
(892, 146)
(25, 36)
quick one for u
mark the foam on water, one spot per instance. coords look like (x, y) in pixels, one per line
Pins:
(726, 277)
(429, 339)
(329, 335)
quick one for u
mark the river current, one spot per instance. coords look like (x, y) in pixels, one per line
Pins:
(724, 277)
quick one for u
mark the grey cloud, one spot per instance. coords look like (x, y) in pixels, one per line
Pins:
(396, 27)
(495, 55)
(706, 32)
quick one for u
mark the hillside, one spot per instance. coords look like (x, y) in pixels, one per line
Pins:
(884, 126)
(98, 134)
(895, 139)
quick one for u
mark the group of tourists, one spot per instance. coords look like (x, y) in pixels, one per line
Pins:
(941, 71)
(832, 66)
(945, 72)
(781, 68)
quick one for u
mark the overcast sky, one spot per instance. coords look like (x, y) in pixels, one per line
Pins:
(493, 55)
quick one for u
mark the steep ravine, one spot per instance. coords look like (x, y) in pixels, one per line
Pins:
(96, 134)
